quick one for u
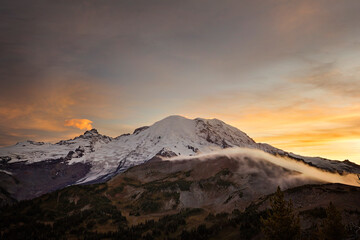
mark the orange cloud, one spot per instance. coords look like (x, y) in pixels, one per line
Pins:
(83, 124)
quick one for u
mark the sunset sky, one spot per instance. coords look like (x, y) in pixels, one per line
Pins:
(285, 72)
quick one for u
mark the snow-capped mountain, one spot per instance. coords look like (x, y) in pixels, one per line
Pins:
(172, 136)
(31, 151)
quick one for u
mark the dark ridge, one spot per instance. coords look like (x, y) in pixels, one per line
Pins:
(123, 135)
(92, 132)
(140, 129)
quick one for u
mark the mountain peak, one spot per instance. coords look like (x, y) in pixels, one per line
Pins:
(177, 119)
(173, 119)
(213, 120)
(91, 132)
(95, 135)
(174, 125)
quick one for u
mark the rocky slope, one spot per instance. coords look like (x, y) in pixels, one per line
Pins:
(215, 198)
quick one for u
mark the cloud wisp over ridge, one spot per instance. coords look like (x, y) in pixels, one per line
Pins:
(310, 173)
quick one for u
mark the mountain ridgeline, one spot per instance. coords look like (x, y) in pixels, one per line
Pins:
(30, 169)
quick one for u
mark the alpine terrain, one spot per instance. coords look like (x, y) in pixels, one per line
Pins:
(29, 169)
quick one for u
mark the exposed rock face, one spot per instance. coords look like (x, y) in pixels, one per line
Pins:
(218, 132)
(36, 143)
(122, 135)
(166, 153)
(5, 159)
(194, 149)
(136, 131)
(92, 136)
(92, 132)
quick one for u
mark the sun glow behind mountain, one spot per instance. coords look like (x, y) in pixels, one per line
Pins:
(331, 135)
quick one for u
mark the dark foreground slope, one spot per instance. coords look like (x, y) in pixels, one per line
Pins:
(221, 198)
(27, 181)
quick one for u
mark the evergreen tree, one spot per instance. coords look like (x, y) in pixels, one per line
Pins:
(332, 228)
(281, 224)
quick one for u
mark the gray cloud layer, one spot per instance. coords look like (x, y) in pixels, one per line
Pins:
(130, 62)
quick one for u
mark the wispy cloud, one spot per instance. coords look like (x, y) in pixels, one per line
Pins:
(329, 77)
(250, 158)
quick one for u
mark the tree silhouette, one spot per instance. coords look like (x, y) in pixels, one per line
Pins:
(281, 223)
(332, 228)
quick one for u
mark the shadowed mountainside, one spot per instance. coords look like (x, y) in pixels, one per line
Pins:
(178, 199)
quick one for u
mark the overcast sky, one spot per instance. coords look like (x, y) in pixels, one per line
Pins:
(285, 72)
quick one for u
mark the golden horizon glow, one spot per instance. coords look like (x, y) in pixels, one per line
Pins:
(331, 136)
